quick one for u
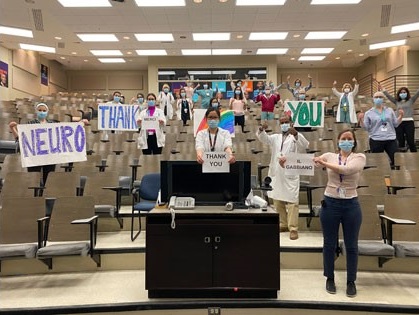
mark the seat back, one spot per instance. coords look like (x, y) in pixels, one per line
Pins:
(94, 187)
(62, 184)
(17, 184)
(18, 220)
(150, 186)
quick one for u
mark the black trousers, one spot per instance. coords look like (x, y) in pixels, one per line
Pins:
(389, 146)
(152, 146)
(239, 120)
(406, 132)
(45, 169)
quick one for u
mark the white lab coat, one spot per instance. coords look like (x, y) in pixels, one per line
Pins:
(351, 98)
(223, 140)
(284, 187)
(166, 100)
(142, 137)
(179, 107)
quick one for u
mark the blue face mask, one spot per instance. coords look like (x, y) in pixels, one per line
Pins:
(140, 100)
(301, 97)
(117, 98)
(346, 145)
(237, 92)
(205, 86)
(239, 84)
(298, 84)
(403, 96)
(183, 94)
(215, 105)
(151, 103)
(213, 123)
(285, 127)
(42, 115)
(166, 90)
(378, 101)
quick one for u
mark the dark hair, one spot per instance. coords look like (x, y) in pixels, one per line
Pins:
(237, 88)
(212, 109)
(241, 81)
(298, 80)
(140, 95)
(399, 99)
(117, 92)
(151, 94)
(182, 89)
(353, 135)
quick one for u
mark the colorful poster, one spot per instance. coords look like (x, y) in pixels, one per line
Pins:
(44, 75)
(4, 74)
(222, 86)
(226, 122)
(43, 144)
(306, 113)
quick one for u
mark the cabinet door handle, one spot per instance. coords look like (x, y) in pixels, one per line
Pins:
(207, 239)
(218, 239)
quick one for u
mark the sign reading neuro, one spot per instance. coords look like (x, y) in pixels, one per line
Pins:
(215, 162)
(305, 113)
(117, 117)
(43, 144)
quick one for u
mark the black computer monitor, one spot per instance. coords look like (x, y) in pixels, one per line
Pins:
(185, 178)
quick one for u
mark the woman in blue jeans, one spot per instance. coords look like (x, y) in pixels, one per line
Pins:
(341, 206)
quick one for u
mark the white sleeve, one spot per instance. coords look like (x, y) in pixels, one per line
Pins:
(199, 141)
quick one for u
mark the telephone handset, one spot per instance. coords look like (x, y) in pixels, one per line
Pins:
(181, 203)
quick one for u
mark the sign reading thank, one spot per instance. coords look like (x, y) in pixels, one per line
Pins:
(306, 114)
(42, 144)
(215, 162)
(117, 117)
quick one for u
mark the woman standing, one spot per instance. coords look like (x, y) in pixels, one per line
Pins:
(166, 101)
(346, 107)
(238, 105)
(184, 107)
(405, 132)
(341, 206)
(139, 101)
(214, 138)
(298, 84)
(151, 141)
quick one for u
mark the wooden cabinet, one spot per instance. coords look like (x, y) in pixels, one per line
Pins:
(212, 254)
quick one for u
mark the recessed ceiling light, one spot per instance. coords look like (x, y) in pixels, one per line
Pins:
(15, 31)
(316, 51)
(226, 51)
(112, 60)
(38, 48)
(58, 38)
(210, 36)
(98, 37)
(84, 3)
(349, 50)
(360, 55)
(292, 58)
(62, 58)
(268, 35)
(196, 52)
(325, 35)
(106, 52)
(259, 3)
(151, 52)
(129, 52)
(311, 58)
(296, 35)
(126, 37)
(365, 35)
(337, 58)
(388, 44)
(405, 28)
(160, 3)
(161, 37)
(73, 53)
(271, 51)
(239, 36)
(316, 2)
(199, 72)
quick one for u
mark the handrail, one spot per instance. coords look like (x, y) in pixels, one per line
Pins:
(368, 84)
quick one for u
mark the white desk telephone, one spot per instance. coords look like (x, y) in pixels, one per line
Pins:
(182, 203)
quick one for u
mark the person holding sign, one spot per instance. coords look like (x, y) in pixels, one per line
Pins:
(184, 107)
(151, 121)
(298, 84)
(285, 188)
(238, 105)
(214, 138)
(166, 101)
(381, 122)
(341, 206)
(346, 107)
(41, 118)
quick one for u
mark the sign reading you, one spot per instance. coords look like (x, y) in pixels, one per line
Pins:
(117, 117)
(306, 114)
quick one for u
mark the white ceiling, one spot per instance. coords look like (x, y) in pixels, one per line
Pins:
(126, 19)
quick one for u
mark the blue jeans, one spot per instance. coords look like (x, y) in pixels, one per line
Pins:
(334, 212)
(267, 116)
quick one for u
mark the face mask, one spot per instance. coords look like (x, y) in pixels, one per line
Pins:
(205, 86)
(403, 96)
(189, 84)
(213, 123)
(239, 84)
(378, 101)
(301, 97)
(151, 103)
(346, 145)
(237, 92)
(117, 98)
(42, 115)
(140, 100)
(183, 94)
(215, 105)
(166, 90)
(267, 92)
(285, 127)
(298, 84)
(346, 90)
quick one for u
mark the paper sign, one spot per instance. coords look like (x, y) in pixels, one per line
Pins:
(216, 162)
(43, 144)
(117, 117)
(299, 164)
(306, 113)
(150, 123)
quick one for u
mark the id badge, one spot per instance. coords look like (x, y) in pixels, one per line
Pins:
(185, 110)
(384, 128)
(342, 192)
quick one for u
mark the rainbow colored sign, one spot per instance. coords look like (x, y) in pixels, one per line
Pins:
(226, 121)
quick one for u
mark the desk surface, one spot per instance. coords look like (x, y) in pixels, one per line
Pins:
(214, 210)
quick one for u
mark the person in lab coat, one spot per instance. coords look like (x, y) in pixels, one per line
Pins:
(285, 188)
(346, 108)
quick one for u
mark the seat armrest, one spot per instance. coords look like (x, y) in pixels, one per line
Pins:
(42, 231)
(93, 230)
(85, 221)
(390, 222)
(118, 190)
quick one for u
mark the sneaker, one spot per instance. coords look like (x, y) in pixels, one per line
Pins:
(283, 229)
(293, 235)
(350, 289)
(330, 286)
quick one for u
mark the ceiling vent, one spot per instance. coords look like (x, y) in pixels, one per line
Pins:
(37, 19)
(61, 45)
(385, 15)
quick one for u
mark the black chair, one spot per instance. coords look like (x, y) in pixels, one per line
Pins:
(144, 199)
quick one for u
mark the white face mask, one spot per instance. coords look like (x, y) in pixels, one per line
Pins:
(346, 90)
